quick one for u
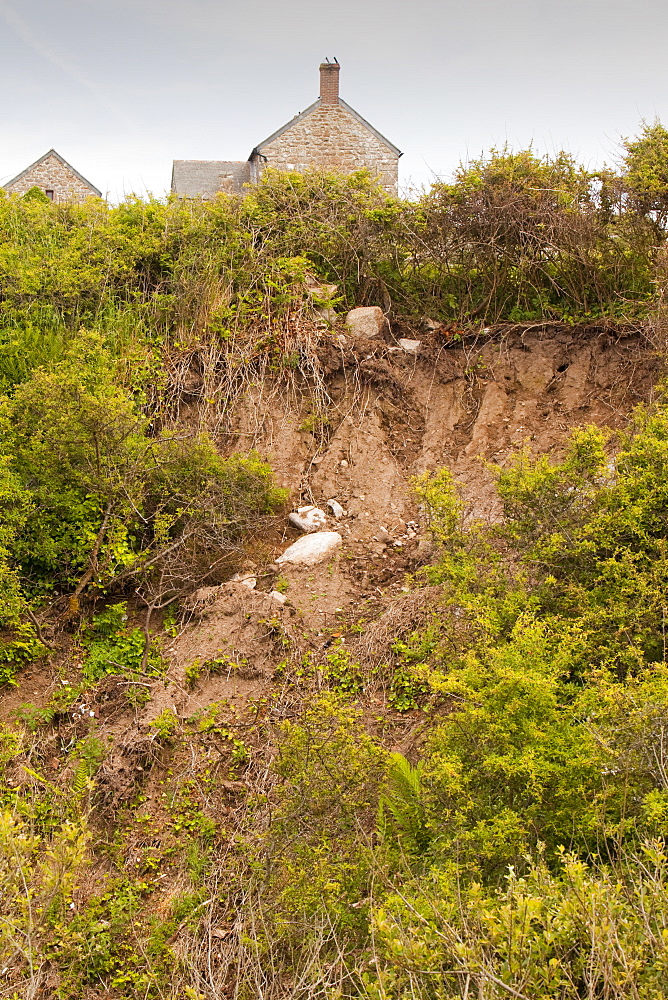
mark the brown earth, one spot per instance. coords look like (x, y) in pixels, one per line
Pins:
(388, 416)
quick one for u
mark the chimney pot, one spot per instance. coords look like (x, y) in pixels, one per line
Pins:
(329, 83)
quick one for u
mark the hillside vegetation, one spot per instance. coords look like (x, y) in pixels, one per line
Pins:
(455, 788)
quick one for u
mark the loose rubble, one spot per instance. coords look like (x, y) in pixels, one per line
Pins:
(410, 346)
(245, 579)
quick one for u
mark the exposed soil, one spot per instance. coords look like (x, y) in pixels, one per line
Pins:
(391, 416)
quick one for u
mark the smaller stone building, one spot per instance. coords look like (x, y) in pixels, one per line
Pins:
(328, 135)
(57, 178)
(207, 178)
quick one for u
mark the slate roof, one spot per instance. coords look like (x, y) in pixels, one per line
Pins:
(52, 152)
(203, 178)
(312, 107)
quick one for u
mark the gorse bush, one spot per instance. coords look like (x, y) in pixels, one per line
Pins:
(100, 496)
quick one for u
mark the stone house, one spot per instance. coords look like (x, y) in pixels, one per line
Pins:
(57, 178)
(329, 135)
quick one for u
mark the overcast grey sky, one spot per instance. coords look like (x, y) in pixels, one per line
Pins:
(122, 87)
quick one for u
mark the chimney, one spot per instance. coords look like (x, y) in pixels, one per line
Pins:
(329, 82)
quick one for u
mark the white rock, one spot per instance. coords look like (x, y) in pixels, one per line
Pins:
(312, 549)
(278, 596)
(245, 579)
(308, 519)
(328, 316)
(336, 508)
(319, 289)
(367, 321)
(410, 346)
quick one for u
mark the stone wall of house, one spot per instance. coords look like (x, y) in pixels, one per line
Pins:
(52, 175)
(332, 139)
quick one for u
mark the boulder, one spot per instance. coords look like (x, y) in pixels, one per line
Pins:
(367, 321)
(308, 519)
(409, 346)
(312, 549)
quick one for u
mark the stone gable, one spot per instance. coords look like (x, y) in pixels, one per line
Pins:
(330, 137)
(53, 175)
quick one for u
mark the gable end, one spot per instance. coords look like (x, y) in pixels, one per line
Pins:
(63, 162)
(313, 107)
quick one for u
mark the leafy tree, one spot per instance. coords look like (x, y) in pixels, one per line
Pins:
(646, 172)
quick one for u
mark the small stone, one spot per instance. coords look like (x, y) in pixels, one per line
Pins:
(308, 519)
(329, 316)
(312, 549)
(336, 508)
(277, 596)
(367, 321)
(343, 463)
(319, 289)
(245, 579)
(410, 346)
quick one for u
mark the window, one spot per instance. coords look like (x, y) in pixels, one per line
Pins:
(49, 194)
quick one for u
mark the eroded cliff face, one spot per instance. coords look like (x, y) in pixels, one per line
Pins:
(388, 416)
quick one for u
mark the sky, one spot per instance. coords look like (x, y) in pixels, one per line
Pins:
(122, 87)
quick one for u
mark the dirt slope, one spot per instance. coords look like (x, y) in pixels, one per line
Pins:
(389, 416)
